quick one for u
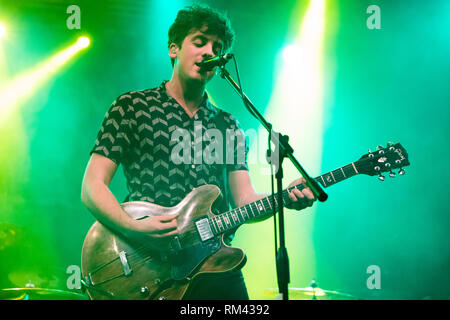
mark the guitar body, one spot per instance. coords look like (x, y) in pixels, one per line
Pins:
(116, 268)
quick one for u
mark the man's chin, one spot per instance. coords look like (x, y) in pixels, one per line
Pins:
(203, 77)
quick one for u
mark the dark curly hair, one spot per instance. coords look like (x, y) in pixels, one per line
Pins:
(196, 17)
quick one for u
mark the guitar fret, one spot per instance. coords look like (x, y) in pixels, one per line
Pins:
(257, 208)
(275, 200)
(213, 226)
(226, 219)
(249, 214)
(219, 223)
(353, 164)
(231, 217)
(331, 172)
(238, 211)
(343, 173)
(324, 184)
(268, 204)
(243, 210)
(237, 216)
(251, 209)
(262, 206)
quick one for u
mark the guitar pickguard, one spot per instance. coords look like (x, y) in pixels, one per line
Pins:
(185, 261)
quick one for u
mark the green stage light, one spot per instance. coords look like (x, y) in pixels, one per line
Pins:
(24, 85)
(296, 109)
(83, 42)
(2, 30)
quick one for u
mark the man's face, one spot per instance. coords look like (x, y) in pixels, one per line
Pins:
(196, 47)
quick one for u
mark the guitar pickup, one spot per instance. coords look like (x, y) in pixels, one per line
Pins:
(204, 229)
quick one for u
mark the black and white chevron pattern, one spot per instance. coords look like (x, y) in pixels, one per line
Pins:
(137, 133)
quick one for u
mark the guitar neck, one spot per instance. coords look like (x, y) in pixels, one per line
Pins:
(227, 221)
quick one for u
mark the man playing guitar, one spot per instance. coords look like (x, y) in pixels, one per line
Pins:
(136, 133)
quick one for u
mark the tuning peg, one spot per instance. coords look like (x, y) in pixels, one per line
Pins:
(381, 177)
(380, 149)
(401, 172)
(390, 146)
(392, 174)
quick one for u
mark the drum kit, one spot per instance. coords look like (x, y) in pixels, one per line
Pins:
(29, 284)
(313, 292)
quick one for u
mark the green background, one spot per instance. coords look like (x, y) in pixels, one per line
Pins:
(381, 85)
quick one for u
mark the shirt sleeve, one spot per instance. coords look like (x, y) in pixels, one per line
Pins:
(114, 138)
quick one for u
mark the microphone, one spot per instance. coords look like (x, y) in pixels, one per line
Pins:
(217, 61)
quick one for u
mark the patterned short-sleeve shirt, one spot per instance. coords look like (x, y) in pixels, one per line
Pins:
(164, 152)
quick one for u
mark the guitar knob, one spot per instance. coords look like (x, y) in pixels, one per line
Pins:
(145, 291)
(401, 171)
(381, 177)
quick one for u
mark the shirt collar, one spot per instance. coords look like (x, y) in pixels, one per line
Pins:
(206, 108)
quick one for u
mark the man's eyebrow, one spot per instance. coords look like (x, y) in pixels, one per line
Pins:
(205, 38)
(199, 36)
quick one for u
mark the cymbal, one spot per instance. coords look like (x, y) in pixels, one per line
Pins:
(310, 293)
(39, 294)
(41, 278)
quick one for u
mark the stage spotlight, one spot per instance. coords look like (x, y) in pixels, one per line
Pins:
(295, 109)
(292, 53)
(83, 42)
(23, 86)
(2, 30)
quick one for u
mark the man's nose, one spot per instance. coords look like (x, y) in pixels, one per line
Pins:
(209, 52)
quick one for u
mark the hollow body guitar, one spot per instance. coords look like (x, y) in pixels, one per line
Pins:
(114, 267)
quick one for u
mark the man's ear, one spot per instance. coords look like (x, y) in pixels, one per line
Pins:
(173, 50)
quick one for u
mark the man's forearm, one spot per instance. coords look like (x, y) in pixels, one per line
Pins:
(97, 197)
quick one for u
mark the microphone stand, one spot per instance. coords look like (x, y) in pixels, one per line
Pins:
(284, 151)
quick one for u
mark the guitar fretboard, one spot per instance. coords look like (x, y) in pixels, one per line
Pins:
(229, 220)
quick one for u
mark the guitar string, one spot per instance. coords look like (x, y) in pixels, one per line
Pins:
(138, 251)
(143, 247)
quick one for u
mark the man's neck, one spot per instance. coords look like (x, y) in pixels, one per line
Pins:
(188, 94)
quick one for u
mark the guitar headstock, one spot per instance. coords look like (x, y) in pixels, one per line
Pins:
(384, 159)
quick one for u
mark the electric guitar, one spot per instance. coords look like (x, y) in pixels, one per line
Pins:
(114, 267)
